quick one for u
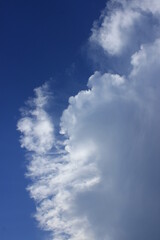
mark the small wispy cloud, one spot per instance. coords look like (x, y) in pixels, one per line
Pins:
(36, 125)
(101, 180)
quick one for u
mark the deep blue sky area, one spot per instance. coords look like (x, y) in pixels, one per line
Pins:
(40, 41)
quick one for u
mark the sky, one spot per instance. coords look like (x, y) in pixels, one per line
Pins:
(80, 83)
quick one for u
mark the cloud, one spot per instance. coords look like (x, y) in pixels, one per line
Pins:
(36, 126)
(123, 124)
(115, 31)
(58, 171)
(99, 177)
(124, 25)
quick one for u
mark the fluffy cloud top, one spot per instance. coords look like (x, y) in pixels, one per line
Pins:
(102, 180)
(124, 25)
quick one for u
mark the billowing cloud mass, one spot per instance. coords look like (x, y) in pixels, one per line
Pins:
(99, 178)
(124, 25)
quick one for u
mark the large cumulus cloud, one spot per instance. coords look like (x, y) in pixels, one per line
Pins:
(101, 181)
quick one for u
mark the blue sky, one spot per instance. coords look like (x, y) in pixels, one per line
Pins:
(81, 86)
(40, 40)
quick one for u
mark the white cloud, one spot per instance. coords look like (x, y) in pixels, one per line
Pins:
(36, 126)
(121, 117)
(57, 175)
(146, 59)
(102, 180)
(114, 33)
(146, 5)
(126, 24)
